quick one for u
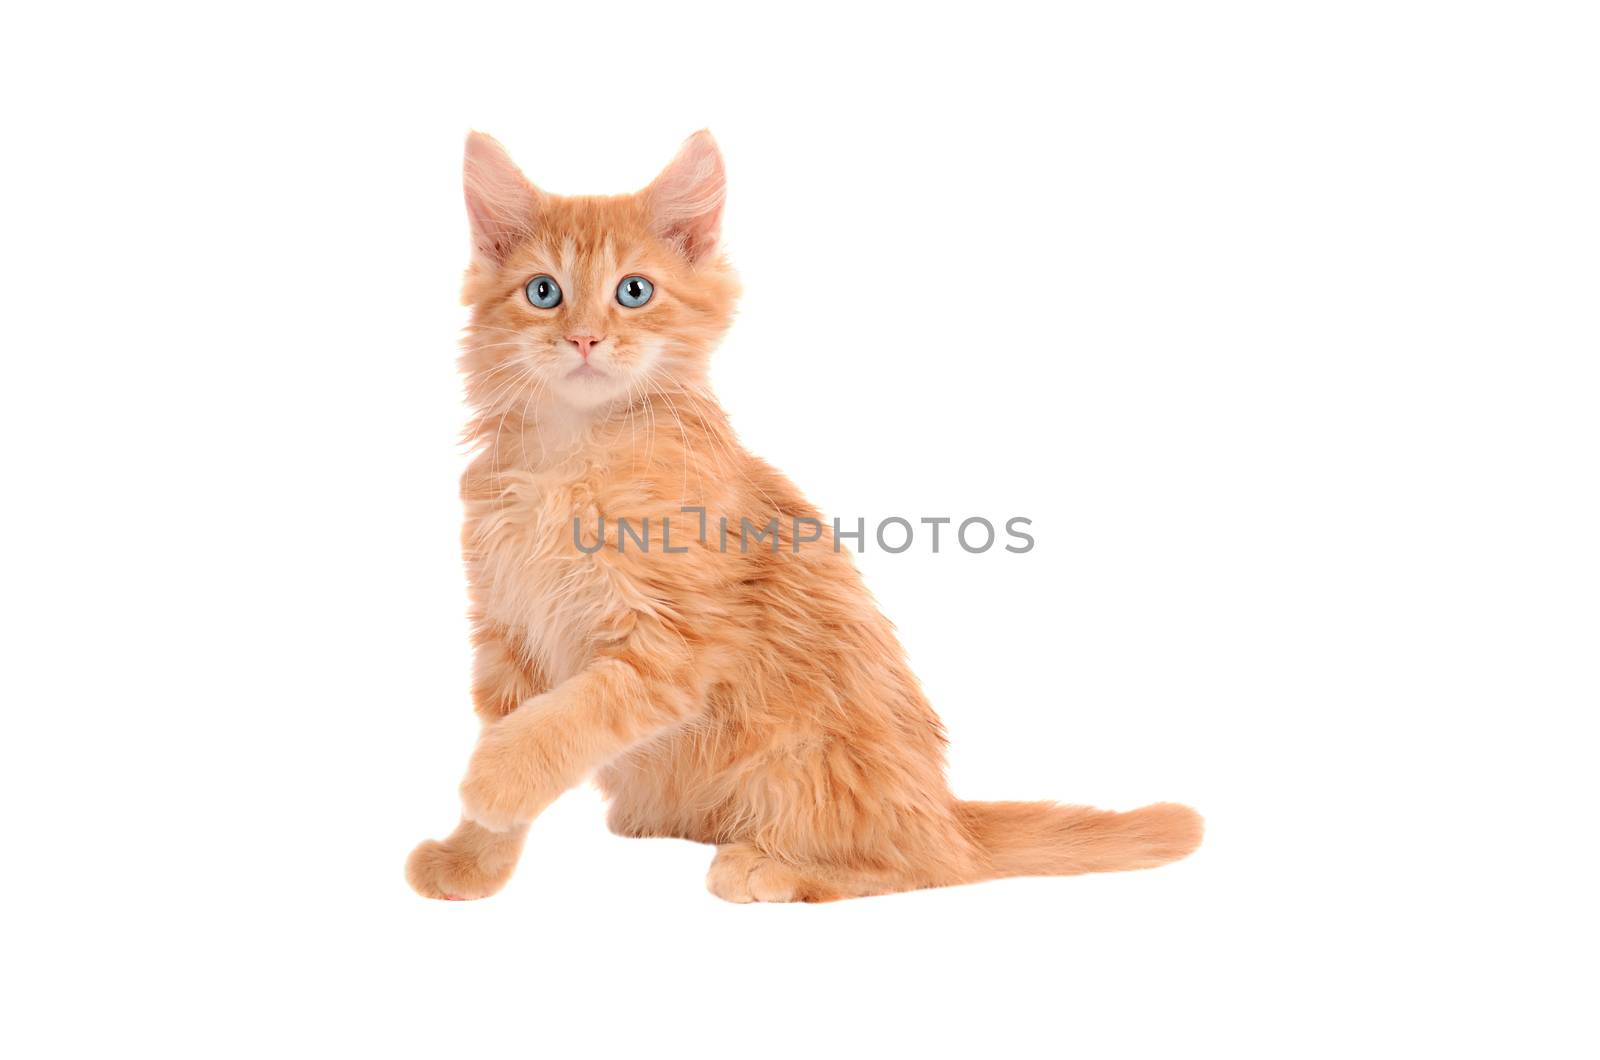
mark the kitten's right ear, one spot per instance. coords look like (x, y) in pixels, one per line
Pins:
(500, 201)
(686, 199)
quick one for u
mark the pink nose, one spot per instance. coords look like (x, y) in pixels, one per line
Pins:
(583, 342)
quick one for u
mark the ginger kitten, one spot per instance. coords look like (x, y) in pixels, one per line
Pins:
(753, 699)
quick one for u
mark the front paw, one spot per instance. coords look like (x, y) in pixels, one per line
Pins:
(505, 787)
(471, 863)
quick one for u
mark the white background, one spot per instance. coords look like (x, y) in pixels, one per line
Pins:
(1279, 320)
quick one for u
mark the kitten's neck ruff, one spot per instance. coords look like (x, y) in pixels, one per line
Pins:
(554, 432)
(559, 430)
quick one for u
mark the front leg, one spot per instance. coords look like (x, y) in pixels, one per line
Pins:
(503, 677)
(551, 742)
(473, 862)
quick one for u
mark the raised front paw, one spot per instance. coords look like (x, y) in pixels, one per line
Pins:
(506, 785)
(471, 863)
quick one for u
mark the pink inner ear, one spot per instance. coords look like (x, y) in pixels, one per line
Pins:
(500, 200)
(686, 199)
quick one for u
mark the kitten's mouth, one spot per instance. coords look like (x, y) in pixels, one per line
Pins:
(586, 371)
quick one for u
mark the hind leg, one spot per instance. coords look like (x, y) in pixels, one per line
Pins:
(627, 821)
(657, 792)
(742, 872)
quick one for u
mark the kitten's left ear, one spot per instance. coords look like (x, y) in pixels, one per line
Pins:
(686, 199)
(500, 201)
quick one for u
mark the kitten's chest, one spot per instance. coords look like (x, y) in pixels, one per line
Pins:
(528, 574)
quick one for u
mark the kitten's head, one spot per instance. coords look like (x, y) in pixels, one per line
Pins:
(591, 301)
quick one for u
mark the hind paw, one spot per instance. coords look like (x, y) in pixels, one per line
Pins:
(742, 873)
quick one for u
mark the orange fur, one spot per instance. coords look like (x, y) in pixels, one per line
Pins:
(754, 700)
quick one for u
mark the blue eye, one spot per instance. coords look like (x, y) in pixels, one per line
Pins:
(635, 291)
(544, 292)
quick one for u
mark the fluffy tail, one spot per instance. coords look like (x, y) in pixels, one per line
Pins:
(1046, 839)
